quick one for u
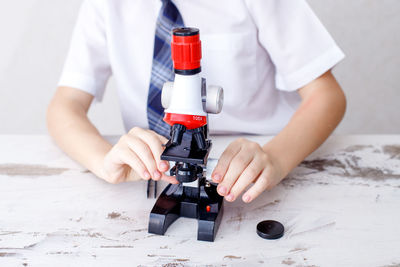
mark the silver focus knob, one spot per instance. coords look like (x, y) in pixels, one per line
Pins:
(166, 94)
(215, 99)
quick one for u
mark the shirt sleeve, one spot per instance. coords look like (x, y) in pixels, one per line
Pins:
(299, 45)
(87, 66)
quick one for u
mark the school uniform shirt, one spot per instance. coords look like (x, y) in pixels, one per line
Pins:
(260, 51)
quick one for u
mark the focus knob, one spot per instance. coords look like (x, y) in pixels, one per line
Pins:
(166, 94)
(215, 99)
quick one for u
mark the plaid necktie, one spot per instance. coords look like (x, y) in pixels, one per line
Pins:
(162, 70)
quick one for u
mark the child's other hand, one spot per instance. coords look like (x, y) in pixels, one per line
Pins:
(242, 163)
(137, 156)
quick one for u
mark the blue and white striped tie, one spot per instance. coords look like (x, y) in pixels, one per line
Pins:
(162, 70)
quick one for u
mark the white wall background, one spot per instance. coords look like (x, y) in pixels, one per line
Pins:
(34, 38)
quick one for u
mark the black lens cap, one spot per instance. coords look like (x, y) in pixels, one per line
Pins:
(185, 31)
(270, 229)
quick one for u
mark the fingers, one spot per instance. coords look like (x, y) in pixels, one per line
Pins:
(155, 142)
(127, 156)
(249, 175)
(137, 154)
(242, 163)
(260, 186)
(235, 169)
(162, 139)
(169, 179)
(148, 146)
(144, 154)
(133, 176)
(224, 161)
(162, 164)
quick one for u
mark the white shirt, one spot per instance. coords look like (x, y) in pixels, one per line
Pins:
(259, 51)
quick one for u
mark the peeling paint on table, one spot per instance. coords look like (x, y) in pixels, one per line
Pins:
(339, 208)
(29, 170)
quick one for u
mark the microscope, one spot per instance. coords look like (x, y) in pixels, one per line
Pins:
(187, 101)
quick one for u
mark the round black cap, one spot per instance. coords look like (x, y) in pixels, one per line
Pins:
(185, 31)
(270, 229)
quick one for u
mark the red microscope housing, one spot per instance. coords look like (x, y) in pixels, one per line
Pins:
(185, 108)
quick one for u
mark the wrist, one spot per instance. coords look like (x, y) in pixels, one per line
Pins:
(277, 161)
(97, 165)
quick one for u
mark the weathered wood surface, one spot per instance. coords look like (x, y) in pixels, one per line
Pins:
(340, 208)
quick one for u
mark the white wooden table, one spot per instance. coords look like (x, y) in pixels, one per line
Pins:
(339, 208)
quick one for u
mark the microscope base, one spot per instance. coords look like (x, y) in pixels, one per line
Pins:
(188, 202)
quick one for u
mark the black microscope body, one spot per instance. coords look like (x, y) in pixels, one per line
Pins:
(189, 149)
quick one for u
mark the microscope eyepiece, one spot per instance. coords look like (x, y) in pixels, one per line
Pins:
(186, 51)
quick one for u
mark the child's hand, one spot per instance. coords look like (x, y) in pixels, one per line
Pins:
(241, 164)
(137, 156)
